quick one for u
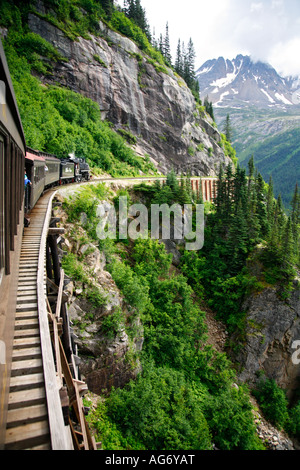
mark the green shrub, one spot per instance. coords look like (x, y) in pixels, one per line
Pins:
(230, 419)
(273, 402)
(160, 411)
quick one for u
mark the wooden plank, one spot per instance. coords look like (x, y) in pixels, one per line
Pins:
(22, 437)
(28, 414)
(20, 343)
(29, 366)
(27, 306)
(25, 299)
(26, 381)
(26, 353)
(24, 398)
(26, 323)
(30, 333)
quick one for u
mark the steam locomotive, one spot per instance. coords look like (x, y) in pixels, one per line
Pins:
(45, 170)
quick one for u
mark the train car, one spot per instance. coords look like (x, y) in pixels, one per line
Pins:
(12, 164)
(35, 171)
(52, 170)
(67, 172)
(52, 166)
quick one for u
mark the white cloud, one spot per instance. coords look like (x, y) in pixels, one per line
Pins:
(285, 57)
(254, 7)
(265, 29)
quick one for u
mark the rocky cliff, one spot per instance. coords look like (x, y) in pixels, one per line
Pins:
(108, 352)
(137, 95)
(269, 346)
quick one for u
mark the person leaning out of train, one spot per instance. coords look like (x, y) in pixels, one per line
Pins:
(26, 180)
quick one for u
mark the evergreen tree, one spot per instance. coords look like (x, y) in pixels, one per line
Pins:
(209, 107)
(178, 60)
(261, 207)
(227, 130)
(161, 45)
(295, 204)
(134, 10)
(108, 6)
(167, 48)
(270, 201)
(189, 64)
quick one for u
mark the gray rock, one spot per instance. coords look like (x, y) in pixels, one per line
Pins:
(272, 327)
(157, 107)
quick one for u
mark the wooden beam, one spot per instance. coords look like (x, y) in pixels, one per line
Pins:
(58, 433)
(60, 291)
(55, 230)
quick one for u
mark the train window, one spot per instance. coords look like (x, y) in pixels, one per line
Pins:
(2, 231)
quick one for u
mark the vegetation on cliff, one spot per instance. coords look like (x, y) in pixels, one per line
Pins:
(185, 396)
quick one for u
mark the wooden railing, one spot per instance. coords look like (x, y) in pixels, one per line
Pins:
(68, 426)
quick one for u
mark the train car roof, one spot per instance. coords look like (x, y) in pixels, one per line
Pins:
(32, 156)
(37, 153)
(9, 111)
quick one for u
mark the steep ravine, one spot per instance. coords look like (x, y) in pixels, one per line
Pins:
(111, 358)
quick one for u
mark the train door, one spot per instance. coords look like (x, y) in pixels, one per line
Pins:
(2, 229)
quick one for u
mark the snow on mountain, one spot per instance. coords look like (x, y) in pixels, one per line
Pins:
(242, 82)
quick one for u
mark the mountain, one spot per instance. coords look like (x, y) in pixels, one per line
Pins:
(264, 114)
(142, 99)
(242, 82)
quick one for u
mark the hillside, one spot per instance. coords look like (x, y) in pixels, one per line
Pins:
(272, 137)
(264, 112)
(130, 87)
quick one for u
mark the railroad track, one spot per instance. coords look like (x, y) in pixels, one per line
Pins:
(27, 420)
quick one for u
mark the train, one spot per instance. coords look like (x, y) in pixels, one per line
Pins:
(45, 170)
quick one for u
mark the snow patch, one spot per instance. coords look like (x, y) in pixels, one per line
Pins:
(205, 70)
(282, 98)
(267, 95)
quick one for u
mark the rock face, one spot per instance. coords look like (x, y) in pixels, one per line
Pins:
(157, 107)
(108, 357)
(273, 327)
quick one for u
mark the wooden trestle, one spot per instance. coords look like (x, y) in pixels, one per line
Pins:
(42, 386)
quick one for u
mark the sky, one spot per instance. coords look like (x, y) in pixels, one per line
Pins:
(267, 30)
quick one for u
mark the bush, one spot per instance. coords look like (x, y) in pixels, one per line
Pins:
(230, 419)
(273, 402)
(160, 411)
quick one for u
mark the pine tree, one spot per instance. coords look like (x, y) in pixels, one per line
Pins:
(161, 45)
(237, 244)
(167, 48)
(261, 207)
(108, 6)
(189, 67)
(209, 107)
(270, 201)
(227, 130)
(295, 204)
(178, 60)
(134, 10)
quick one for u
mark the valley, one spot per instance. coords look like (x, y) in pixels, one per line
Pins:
(264, 115)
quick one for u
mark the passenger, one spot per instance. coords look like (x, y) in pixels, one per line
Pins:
(27, 183)
(26, 180)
